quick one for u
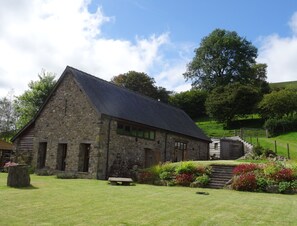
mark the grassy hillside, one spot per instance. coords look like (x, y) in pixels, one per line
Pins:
(281, 143)
(215, 129)
(257, 134)
(279, 85)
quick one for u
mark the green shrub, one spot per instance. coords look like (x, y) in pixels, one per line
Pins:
(285, 186)
(166, 175)
(67, 175)
(186, 168)
(44, 172)
(201, 181)
(168, 167)
(277, 126)
(271, 169)
(156, 170)
(262, 183)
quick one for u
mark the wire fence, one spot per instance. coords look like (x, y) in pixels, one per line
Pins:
(246, 133)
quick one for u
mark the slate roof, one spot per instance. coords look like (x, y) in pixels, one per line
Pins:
(122, 103)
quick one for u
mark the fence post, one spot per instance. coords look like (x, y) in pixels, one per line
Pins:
(275, 147)
(288, 148)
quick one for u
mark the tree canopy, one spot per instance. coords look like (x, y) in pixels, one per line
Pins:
(192, 102)
(279, 103)
(8, 117)
(142, 83)
(224, 103)
(31, 100)
(223, 58)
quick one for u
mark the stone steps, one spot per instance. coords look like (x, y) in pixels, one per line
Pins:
(220, 175)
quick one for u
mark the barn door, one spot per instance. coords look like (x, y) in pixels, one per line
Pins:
(41, 155)
(61, 157)
(84, 155)
(151, 157)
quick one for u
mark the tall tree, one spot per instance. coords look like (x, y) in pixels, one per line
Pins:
(8, 117)
(142, 83)
(223, 58)
(31, 100)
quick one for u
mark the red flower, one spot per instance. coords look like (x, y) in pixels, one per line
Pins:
(245, 168)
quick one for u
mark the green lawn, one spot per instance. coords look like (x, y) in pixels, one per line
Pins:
(91, 202)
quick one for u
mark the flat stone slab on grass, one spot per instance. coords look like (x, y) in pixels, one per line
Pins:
(120, 180)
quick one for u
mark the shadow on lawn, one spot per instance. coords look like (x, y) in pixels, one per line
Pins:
(31, 187)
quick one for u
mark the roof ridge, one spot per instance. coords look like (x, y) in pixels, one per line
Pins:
(126, 89)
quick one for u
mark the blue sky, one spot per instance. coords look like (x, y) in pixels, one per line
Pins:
(109, 37)
(191, 20)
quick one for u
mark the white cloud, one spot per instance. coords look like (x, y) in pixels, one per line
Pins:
(280, 54)
(51, 34)
(172, 77)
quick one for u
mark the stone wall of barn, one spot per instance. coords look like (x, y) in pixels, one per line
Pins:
(68, 119)
(128, 153)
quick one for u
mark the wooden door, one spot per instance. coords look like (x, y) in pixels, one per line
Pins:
(152, 157)
(41, 155)
(61, 157)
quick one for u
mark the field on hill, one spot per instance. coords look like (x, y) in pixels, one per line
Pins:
(279, 85)
(52, 201)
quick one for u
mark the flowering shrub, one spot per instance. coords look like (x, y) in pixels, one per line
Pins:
(245, 168)
(8, 164)
(184, 179)
(272, 177)
(146, 177)
(285, 174)
(245, 182)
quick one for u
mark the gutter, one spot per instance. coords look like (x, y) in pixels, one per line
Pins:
(107, 149)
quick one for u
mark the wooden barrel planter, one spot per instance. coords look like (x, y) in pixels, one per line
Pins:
(18, 176)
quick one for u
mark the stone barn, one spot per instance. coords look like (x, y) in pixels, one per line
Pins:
(97, 129)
